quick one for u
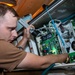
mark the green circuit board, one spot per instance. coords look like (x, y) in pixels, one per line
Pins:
(72, 57)
(50, 44)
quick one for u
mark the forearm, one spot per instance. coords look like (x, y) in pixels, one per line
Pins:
(41, 62)
(50, 59)
(22, 43)
(32, 61)
(25, 38)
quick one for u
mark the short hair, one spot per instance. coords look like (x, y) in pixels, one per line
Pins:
(4, 8)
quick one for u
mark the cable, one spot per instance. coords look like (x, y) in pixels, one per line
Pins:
(52, 65)
(67, 18)
(54, 25)
(46, 70)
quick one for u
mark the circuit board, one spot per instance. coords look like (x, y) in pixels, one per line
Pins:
(47, 41)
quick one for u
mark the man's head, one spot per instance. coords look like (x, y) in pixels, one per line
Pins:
(8, 23)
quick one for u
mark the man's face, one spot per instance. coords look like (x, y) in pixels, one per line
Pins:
(8, 24)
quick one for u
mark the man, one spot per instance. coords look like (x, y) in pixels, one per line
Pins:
(12, 57)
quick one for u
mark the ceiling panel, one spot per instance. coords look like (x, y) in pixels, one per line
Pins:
(24, 7)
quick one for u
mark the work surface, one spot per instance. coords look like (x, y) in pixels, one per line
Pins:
(39, 72)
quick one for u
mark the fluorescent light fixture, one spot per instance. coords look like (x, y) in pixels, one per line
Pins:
(8, 2)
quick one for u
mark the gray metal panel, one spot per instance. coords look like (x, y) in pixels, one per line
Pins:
(60, 9)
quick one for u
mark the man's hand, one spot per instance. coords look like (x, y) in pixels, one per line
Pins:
(27, 32)
(26, 37)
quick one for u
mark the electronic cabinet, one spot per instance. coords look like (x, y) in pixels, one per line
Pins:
(55, 29)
